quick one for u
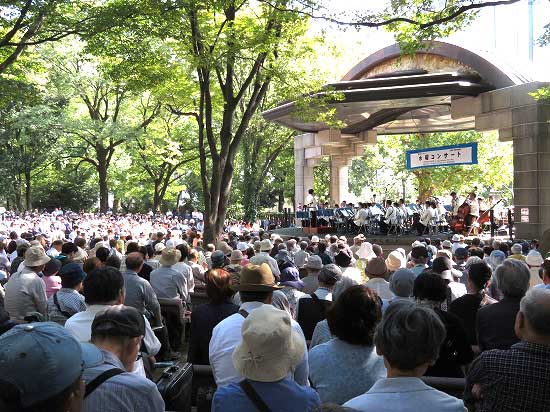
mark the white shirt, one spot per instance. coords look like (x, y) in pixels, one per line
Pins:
(474, 208)
(457, 290)
(225, 338)
(53, 252)
(187, 271)
(263, 257)
(352, 273)
(80, 325)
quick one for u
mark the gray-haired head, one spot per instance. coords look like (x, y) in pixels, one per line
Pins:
(535, 307)
(472, 260)
(516, 249)
(512, 278)
(409, 335)
(344, 283)
(402, 283)
(330, 274)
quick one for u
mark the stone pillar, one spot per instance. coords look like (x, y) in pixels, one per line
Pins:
(338, 180)
(531, 136)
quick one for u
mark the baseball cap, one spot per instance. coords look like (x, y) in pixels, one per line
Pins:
(72, 271)
(43, 359)
(119, 320)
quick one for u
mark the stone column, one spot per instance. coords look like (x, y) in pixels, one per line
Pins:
(338, 179)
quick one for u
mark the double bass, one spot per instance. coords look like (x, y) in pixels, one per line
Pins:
(458, 224)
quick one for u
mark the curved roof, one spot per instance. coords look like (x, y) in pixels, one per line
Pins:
(492, 71)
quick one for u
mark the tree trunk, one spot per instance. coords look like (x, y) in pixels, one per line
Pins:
(281, 200)
(157, 200)
(28, 197)
(116, 204)
(102, 167)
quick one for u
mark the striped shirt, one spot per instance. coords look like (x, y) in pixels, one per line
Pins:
(126, 392)
(69, 300)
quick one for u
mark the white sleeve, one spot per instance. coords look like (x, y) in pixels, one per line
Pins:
(152, 344)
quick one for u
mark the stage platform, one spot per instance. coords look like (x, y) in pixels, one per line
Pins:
(388, 243)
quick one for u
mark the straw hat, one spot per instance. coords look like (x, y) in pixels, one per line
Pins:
(35, 256)
(376, 267)
(270, 349)
(256, 278)
(170, 256)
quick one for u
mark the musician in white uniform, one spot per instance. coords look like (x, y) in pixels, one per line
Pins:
(474, 209)
(362, 215)
(426, 216)
(455, 204)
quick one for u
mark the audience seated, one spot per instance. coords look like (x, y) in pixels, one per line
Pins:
(409, 338)
(67, 301)
(256, 290)
(495, 323)
(313, 266)
(25, 291)
(321, 333)
(377, 271)
(348, 365)
(117, 332)
(312, 308)
(205, 317)
(103, 288)
(516, 379)
(467, 306)
(430, 291)
(270, 350)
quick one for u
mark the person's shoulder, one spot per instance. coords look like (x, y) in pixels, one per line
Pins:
(227, 322)
(320, 351)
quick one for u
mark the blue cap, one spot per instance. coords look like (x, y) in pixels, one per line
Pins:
(43, 359)
(73, 271)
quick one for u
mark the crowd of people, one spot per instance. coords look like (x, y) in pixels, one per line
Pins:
(290, 325)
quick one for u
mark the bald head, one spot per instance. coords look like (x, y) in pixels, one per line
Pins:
(134, 261)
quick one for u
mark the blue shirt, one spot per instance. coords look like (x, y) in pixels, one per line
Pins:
(126, 392)
(340, 371)
(405, 395)
(282, 396)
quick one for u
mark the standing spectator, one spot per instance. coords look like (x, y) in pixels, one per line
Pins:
(67, 301)
(256, 290)
(41, 369)
(25, 291)
(167, 282)
(197, 269)
(430, 290)
(301, 256)
(267, 354)
(495, 323)
(348, 365)
(139, 292)
(376, 272)
(516, 379)
(50, 277)
(264, 257)
(205, 317)
(117, 332)
(409, 338)
(313, 267)
(467, 306)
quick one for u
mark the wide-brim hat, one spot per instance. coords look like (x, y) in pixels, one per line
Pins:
(170, 256)
(395, 261)
(266, 245)
(236, 256)
(376, 267)
(256, 278)
(270, 348)
(456, 238)
(35, 256)
(314, 262)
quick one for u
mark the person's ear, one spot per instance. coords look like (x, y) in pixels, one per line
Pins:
(519, 325)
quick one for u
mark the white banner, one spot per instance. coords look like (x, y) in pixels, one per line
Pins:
(442, 156)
